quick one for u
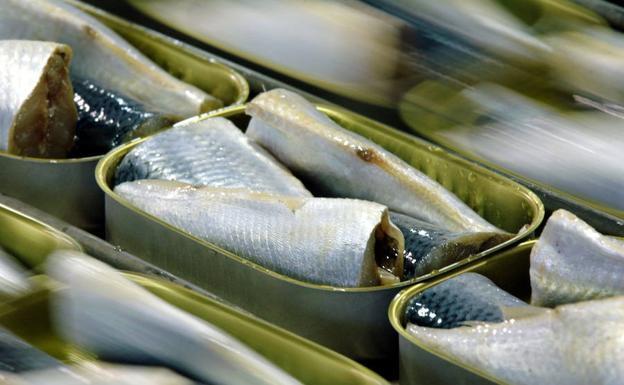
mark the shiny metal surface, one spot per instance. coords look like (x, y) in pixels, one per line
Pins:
(66, 188)
(509, 270)
(352, 320)
(308, 362)
(28, 239)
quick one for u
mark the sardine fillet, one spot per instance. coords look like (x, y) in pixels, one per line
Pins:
(344, 164)
(458, 301)
(211, 152)
(105, 313)
(572, 262)
(319, 240)
(575, 344)
(37, 111)
(96, 374)
(102, 55)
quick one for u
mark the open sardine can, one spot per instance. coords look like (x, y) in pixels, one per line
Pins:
(351, 321)
(509, 270)
(30, 240)
(310, 363)
(66, 188)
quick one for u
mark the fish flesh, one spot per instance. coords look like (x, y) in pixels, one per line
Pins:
(102, 56)
(97, 374)
(572, 262)
(211, 152)
(429, 247)
(104, 313)
(338, 242)
(37, 112)
(459, 301)
(576, 153)
(107, 119)
(341, 163)
(574, 344)
(17, 356)
(13, 277)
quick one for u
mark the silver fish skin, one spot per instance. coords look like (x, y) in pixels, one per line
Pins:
(101, 55)
(572, 262)
(13, 277)
(106, 314)
(575, 344)
(428, 247)
(342, 163)
(459, 301)
(211, 152)
(326, 241)
(37, 112)
(97, 374)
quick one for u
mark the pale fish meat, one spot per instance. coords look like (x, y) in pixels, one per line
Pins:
(17, 356)
(211, 152)
(576, 344)
(429, 247)
(101, 55)
(104, 313)
(13, 277)
(37, 112)
(97, 374)
(572, 262)
(338, 242)
(107, 119)
(341, 163)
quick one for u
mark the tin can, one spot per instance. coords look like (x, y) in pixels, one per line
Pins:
(29, 318)
(418, 365)
(28, 239)
(351, 321)
(66, 188)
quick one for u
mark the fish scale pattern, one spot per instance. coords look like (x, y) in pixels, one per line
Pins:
(467, 298)
(210, 152)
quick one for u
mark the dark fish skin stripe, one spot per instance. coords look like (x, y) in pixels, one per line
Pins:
(448, 307)
(428, 247)
(421, 240)
(458, 301)
(107, 119)
(17, 356)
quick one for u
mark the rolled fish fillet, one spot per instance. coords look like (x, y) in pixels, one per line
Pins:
(572, 262)
(338, 242)
(341, 163)
(108, 118)
(101, 55)
(13, 277)
(211, 152)
(37, 112)
(575, 344)
(104, 313)
(428, 247)
(96, 374)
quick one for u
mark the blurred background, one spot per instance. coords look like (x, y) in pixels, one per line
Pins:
(530, 88)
